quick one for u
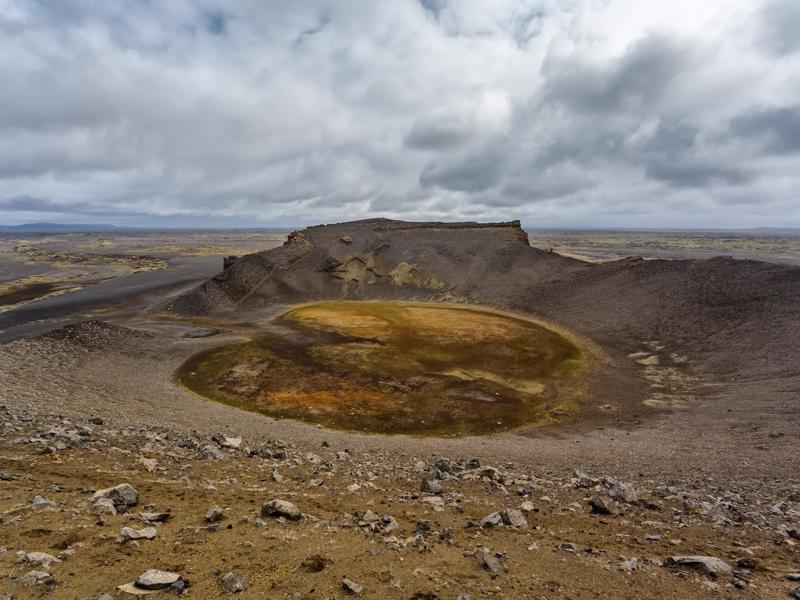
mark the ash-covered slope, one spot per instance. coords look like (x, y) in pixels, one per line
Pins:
(376, 259)
(729, 316)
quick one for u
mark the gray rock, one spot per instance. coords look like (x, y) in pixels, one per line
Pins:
(514, 518)
(122, 495)
(105, 506)
(795, 593)
(215, 514)
(443, 465)
(351, 587)
(234, 582)
(492, 520)
(146, 533)
(492, 562)
(153, 579)
(41, 502)
(280, 508)
(32, 578)
(622, 492)
(431, 486)
(582, 480)
(709, 565)
(41, 559)
(209, 452)
(227, 442)
(603, 505)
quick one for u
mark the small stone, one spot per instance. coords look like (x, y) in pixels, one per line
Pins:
(346, 239)
(146, 533)
(622, 492)
(41, 559)
(443, 465)
(514, 518)
(155, 517)
(351, 587)
(492, 562)
(149, 464)
(603, 505)
(122, 495)
(795, 593)
(41, 502)
(227, 442)
(431, 486)
(793, 576)
(215, 514)
(709, 565)
(105, 506)
(153, 579)
(234, 582)
(32, 578)
(492, 520)
(280, 508)
(209, 452)
(582, 480)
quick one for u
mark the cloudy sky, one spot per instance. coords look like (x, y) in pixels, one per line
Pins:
(563, 113)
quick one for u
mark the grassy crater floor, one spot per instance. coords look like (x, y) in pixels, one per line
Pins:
(397, 367)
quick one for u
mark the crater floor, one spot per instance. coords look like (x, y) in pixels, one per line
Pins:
(393, 367)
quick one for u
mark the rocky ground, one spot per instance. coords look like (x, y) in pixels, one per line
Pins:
(87, 506)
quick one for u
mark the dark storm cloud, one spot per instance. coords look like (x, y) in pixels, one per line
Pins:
(471, 173)
(633, 82)
(560, 112)
(437, 133)
(778, 128)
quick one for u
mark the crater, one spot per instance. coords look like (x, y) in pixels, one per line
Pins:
(398, 367)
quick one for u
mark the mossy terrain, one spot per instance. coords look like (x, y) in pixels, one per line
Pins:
(397, 367)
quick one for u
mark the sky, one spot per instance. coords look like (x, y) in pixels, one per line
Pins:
(561, 113)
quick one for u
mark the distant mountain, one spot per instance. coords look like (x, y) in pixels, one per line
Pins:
(57, 227)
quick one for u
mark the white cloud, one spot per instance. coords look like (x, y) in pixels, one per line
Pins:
(561, 112)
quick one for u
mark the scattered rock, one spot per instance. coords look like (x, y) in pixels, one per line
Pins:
(32, 578)
(234, 582)
(280, 508)
(431, 486)
(492, 520)
(603, 505)
(215, 514)
(224, 441)
(709, 565)
(146, 533)
(622, 492)
(153, 579)
(105, 506)
(122, 496)
(492, 562)
(41, 559)
(351, 587)
(209, 452)
(514, 518)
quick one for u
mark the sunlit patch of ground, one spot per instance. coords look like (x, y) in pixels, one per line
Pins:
(32, 287)
(398, 367)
